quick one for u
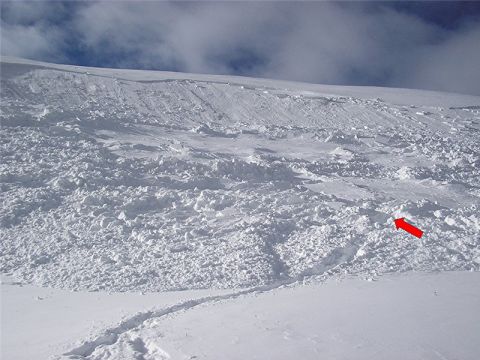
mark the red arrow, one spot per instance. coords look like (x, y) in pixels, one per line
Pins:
(401, 223)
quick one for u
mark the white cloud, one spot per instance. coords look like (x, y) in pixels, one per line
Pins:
(334, 43)
(29, 42)
(452, 65)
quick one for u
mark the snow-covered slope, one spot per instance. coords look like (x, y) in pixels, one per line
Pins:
(110, 181)
(123, 180)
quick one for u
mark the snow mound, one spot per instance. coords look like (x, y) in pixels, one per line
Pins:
(114, 182)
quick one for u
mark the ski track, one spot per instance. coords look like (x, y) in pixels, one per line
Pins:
(111, 336)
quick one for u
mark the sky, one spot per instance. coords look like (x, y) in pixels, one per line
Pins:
(428, 45)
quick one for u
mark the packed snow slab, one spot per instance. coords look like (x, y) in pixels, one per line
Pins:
(413, 316)
(17, 66)
(40, 323)
(131, 180)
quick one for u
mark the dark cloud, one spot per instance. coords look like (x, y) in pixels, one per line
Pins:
(385, 44)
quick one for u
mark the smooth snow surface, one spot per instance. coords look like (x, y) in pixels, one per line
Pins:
(408, 316)
(146, 181)
(40, 323)
(416, 317)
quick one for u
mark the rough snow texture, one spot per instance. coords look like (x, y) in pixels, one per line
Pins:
(108, 182)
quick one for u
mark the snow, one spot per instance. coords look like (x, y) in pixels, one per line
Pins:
(408, 316)
(399, 317)
(39, 323)
(139, 181)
